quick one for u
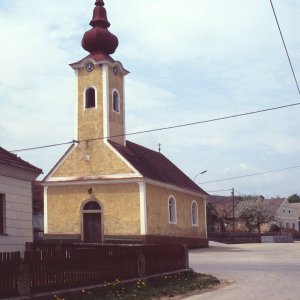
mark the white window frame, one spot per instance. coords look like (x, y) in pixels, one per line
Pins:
(197, 214)
(172, 210)
(119, 101)
(84, 98)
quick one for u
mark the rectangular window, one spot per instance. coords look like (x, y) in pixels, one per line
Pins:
(294, 226)
(287, 225)
(2, 213)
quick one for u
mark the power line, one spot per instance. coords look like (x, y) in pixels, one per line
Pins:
(285, 47)
(240, 193)
(219, 191)
(165, 128)
(250, 175)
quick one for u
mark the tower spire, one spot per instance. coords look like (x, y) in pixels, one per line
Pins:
(98, 40)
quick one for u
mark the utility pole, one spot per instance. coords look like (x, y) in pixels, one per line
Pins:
(233, 205)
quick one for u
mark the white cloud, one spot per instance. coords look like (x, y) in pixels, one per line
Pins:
(192, 62)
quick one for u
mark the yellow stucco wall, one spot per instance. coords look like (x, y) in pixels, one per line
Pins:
(158, 214)
(102, 161)
(90, 124)
(116, 119)
(120, 206)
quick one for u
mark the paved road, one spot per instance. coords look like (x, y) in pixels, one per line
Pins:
(258, 271)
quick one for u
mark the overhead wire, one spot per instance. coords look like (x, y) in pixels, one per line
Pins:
(193, 123)
(219, 191)
(163, 128)
(285, 47)
(250, 175)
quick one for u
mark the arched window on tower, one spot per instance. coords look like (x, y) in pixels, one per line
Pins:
(116, 101)
(195, 219)
(90, 98)
(172, 210)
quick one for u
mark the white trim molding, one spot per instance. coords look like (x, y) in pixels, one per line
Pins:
(143, 208)
(60, 162)
(115, 91)
(175, 188)
(81, 64)
(173, 210)
(45, 209)
(197, 214)
(76, 104)
(84, 98)
(105, 77)
(136, 172)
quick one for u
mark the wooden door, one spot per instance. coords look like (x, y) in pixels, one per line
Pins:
(92, 227)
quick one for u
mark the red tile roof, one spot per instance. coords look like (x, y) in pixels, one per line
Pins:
(13, 160)
(154, 165)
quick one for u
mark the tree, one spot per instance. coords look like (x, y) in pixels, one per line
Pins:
(255, 213)
(294, 199)
(212, 216)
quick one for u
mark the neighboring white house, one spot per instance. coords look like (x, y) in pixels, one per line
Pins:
(16, 176)
(288, 215)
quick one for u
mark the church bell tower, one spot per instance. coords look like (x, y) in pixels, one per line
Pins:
(100, 104)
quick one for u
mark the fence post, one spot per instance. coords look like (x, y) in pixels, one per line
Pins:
(142, 265)
(187, 260)
(24, 279)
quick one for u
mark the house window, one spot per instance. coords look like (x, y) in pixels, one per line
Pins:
(90, 98)
(287, 225)
(172, 210)
(294, 226)
(289, 211)
(195, 221)
(116, 101)
(2, 213)
(283, 210)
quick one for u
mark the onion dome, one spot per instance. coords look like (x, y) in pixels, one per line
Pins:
(99, 41)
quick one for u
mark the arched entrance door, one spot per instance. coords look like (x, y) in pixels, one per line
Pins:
(92, 232)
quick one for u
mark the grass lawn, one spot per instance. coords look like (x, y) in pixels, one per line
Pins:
(154, 288)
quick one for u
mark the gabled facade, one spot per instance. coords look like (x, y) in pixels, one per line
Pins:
(16, 176)
(105, 188)
(288, 215)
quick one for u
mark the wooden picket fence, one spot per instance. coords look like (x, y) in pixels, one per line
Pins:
(9, 274)
(75, 265)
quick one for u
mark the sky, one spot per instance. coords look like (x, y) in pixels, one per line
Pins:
(189, 61)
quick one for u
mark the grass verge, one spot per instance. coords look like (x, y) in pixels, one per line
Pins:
(160, 287)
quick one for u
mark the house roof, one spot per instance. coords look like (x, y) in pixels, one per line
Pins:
(10, 159)
(154, 165)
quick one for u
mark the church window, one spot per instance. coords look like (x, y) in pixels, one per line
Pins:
(2, 213)
(172, 210)
(90, 98)
(116, 101)
(195, 220)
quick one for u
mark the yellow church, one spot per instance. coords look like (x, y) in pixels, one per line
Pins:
(106, 189)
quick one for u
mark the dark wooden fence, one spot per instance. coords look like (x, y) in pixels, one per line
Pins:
(9, 272)
(62, 266)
